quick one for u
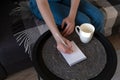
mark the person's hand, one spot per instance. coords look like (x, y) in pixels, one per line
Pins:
(69, 28)
(66, 48)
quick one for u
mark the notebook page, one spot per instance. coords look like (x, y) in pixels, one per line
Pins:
(76, 56)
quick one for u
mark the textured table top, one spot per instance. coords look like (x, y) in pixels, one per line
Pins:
(87, 69)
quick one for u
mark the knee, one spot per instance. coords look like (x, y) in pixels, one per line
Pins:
(98, 21)
(82, 18)
(99, 18)
(59, 12)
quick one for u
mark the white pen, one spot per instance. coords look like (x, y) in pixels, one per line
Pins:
(61, 40)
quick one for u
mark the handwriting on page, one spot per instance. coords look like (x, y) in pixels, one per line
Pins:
(75, 57)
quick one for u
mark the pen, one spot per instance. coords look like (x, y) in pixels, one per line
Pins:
(61, 40)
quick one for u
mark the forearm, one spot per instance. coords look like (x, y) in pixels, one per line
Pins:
(48, 17)
(73, 9)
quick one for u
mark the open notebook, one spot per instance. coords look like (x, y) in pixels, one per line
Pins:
(75, 57)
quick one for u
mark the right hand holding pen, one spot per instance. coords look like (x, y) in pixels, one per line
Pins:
(66, 48)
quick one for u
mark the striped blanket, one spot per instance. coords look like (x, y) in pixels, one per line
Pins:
(27, 28)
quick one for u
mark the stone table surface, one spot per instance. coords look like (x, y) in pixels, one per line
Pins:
(87, 69)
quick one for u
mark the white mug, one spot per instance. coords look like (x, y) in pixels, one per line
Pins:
(85, 32)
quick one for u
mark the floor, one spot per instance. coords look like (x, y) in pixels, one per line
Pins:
(115, 40)
(30, 74)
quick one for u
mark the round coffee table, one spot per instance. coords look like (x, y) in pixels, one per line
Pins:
(100, 64)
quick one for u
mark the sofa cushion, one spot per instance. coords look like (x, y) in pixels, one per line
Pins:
(111, 11)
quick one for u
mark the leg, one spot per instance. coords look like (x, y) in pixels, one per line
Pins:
(82, 18)
(34, 9)
(97, 17)
(59, 12)
(94, 14)
(66, 2)
(62, 11)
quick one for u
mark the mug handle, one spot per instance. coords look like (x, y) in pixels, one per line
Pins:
(76, 29)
